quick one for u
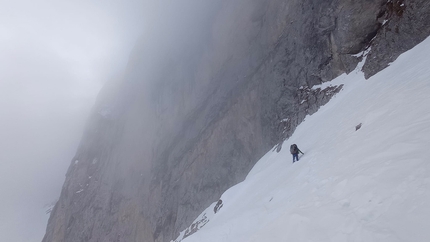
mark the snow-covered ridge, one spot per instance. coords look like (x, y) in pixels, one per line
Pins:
(370, 184)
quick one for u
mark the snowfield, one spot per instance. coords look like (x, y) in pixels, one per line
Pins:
(368, 185)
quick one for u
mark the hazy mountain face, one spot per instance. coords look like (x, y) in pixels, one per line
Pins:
(54, 58)
(207, 91)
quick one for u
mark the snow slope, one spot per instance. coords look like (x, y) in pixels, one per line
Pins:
(372, 184)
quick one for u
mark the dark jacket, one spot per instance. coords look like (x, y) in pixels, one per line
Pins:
(295, 150)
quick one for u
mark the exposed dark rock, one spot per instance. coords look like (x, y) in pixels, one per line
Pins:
(218, 206)
(404, 24)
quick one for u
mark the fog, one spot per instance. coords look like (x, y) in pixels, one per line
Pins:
(54, 58)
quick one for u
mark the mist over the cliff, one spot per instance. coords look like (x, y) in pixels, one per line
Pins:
(194, 93)
(54, 58)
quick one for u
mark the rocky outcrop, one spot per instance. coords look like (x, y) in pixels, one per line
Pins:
(195, 111)
(404, 24)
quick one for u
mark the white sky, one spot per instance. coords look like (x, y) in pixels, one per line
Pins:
(367, 185)
(54, 57)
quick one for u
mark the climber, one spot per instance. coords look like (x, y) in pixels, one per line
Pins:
(295, 152)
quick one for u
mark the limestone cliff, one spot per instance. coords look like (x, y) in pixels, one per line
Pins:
(195, 111)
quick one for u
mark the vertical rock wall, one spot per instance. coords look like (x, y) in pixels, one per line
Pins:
(194, 112)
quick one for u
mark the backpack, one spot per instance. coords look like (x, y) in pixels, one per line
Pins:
(293, 149)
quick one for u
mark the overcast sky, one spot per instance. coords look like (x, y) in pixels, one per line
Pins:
(55, 56)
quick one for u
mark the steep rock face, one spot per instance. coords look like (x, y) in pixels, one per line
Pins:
(195, 111)
(405, 24)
